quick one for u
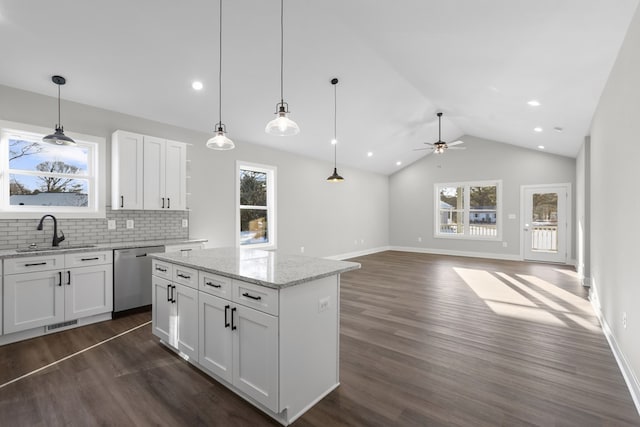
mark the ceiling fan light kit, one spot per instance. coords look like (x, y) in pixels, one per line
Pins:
(335, 176)
(220, 140)
(58, 137)
(440, 146)
(282, 125)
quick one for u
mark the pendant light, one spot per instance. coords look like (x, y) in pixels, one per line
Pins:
(335, 177)
(220, 141)
(58, 137)
(282, 125)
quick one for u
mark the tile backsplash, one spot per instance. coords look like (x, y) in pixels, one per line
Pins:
(148, 225)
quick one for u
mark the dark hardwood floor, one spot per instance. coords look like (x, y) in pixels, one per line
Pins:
(426, 340)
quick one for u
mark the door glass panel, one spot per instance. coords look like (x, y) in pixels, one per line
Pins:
(544, 222)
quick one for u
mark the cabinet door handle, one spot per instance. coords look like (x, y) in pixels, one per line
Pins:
(122, 201)
(89, 259)
(213, 285)
(184, 276)
(35, 263)
(164, 270)
(68, 277)
(173, 295)
(163, 203)
(226, 320)
(233, 325)
(59, 278)
(168, 294)
(248, 295)
(168, 203)
(139, 256)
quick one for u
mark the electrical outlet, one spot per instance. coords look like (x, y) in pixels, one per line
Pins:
(301, 249)
(111, 224)
(129, 223)
(323, 304)
(419, 239)
(624, 319)
(185, 223)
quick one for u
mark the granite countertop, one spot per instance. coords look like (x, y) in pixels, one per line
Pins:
(62, 249)
(266, 268)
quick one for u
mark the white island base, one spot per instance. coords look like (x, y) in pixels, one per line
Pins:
(277, 347)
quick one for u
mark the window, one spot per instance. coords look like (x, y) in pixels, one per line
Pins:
(256, 200)
(39, 178)
(468, 210)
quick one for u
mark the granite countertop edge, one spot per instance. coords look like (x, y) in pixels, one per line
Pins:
(186, 263)
(95, 247)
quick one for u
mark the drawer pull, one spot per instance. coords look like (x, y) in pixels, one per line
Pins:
(34, 264)
(139, 256)
(185, 250)
(248, 295)
(89, 259)
(184, 276)
(164, 270)
(213, 285)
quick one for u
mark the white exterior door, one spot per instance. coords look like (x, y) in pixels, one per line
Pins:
(186, 312)
(162, 308)
(545, 224)
(32, 300)
(255, 355)
(216, 344)
(88, 291)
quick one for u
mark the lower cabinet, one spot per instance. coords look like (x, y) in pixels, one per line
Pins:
(240, 345)
(175, 315)
(42, 298)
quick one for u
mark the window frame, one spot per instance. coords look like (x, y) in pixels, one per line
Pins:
(95, 176)
(272, 173)
(466, 209)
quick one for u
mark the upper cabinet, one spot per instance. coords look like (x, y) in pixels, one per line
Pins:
(150, 176)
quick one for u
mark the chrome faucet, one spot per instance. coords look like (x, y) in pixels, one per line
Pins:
(56, 239)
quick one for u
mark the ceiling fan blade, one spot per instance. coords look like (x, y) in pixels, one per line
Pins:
(451, 144)
(456, 148)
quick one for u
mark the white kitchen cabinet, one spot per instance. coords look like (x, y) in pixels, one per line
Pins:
(126, 170)
(164, 174)
(32, 300)
(240, 345)
(50, 294)
(175, 315)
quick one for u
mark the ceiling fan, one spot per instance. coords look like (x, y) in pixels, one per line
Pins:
(440, 146)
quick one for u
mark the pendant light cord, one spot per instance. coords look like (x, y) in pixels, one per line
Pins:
(282, 51)
(220, 72)
(335, 124)
(59, 108)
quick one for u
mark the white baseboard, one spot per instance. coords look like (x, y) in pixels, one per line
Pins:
(627, 371)
(358, 253)
(508, 257)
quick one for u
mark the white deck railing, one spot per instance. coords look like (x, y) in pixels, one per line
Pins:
(544, 237)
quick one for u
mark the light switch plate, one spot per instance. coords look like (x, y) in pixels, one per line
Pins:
(129, 223)
(185, 223)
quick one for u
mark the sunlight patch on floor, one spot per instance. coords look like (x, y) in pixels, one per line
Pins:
(579, 303)
(533, 314)
(537, 295)
(489, 287)
(570, 273)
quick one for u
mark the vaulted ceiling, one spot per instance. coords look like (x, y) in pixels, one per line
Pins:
(399, 62)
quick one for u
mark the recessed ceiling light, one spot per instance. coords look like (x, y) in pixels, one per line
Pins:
(369, 154)
(398, 163)
(537, 129)
(558, 129)
(197, 85)
(534, 103)
(541, 147)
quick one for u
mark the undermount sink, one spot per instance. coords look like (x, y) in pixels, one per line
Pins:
(54, 248)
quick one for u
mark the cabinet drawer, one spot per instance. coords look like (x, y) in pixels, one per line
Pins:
(255, 296)
(215, 285)
(162, 269)
(185, 276)
(33, 263)
(185, 247)
(84, 259)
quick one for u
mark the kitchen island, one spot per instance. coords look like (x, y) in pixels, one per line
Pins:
(263, 323)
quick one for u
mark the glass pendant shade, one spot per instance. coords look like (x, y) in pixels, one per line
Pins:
(282, 125)
(220, 140)
(58, 137)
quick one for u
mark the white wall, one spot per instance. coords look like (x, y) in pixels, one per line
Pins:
(326, 218)
(583, 199)
(615, 200)
(411, 192)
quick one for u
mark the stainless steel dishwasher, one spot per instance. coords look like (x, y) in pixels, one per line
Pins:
(132, 277)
